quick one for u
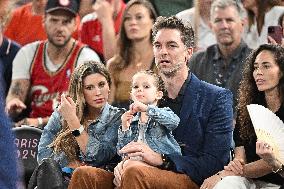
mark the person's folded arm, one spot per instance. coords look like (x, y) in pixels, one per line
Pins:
(256, 169)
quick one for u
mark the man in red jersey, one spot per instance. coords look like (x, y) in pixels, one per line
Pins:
(42, 69)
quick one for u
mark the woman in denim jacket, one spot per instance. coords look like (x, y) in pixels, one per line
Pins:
(83, 129)
(151, 125)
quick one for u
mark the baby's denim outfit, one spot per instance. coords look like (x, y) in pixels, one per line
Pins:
(157, 131)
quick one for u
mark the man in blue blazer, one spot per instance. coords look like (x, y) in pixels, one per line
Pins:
(206, 114)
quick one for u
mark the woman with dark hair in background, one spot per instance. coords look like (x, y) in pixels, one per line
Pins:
(262, 83)
(135, 51)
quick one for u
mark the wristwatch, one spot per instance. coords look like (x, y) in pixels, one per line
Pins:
(77, 132)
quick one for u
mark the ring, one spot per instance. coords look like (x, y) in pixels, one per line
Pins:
(266, 146)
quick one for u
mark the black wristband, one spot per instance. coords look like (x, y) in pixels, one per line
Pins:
(167, 163)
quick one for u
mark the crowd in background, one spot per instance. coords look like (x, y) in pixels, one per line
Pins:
(53, 53)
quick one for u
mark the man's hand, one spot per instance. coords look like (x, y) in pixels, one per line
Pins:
(134, 149)
(15, 106)
(16, 96)
(118, 171)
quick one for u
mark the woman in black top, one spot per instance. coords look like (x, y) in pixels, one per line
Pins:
(263, 84)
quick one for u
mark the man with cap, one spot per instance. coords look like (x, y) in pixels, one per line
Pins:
(42, 69)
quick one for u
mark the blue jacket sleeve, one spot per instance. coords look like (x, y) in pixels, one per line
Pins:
(49, 133)
(164, 116)
(8, 165)
(214, 149)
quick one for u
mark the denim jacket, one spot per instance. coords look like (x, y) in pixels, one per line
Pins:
(101, 147)
(158, 134)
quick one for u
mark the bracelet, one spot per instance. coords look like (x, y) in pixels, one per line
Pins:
(166, 162)
(123, 131)
(40, 121)
(279, 169)
(219, 174)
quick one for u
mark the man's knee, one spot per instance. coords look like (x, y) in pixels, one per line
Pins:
(134, 172)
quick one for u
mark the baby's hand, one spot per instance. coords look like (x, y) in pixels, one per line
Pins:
(126, 120)
(137, 106)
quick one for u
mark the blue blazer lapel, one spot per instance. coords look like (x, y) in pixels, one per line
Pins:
(190, 98)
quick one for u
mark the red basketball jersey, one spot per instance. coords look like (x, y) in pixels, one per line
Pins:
(47, 86)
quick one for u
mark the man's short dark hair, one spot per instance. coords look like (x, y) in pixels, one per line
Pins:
(186, 31)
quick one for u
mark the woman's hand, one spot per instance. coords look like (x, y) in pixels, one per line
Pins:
(265, 151)
(236, 166)
(272, 41)
(67, 109)
(210, 182)
(213, 180)
(126, 120)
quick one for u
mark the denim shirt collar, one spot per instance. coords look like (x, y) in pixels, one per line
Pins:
(104, 117)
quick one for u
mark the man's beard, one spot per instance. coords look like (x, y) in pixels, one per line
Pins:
(173, 71)
(58, 45)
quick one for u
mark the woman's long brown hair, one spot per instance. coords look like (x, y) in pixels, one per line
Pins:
(65, 141)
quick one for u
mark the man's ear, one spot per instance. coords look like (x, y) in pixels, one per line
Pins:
(190, 51)
(159, 95)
